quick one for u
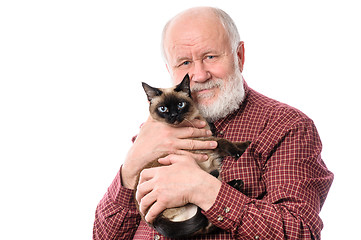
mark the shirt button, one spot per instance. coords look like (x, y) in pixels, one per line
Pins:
(220, 218)
(256, 237)
(227, 209)
(156, 237)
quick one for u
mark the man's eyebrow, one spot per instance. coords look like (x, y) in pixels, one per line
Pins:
(181, 59)
(208, 52)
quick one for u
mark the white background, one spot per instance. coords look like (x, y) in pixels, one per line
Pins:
(71, 98)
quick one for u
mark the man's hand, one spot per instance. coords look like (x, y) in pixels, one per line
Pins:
(182, 181)
(156, 140)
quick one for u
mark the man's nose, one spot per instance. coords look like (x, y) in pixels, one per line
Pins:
(199, 72)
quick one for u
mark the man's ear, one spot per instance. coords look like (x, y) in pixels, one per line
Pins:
(240, 55)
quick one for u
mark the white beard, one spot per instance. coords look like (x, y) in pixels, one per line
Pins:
(229, 99)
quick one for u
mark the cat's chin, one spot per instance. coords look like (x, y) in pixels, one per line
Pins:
(178, 123)
(174, 124)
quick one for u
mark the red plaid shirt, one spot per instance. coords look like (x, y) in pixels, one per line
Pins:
(285, 181)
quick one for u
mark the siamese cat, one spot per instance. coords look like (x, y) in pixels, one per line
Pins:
(175, 106)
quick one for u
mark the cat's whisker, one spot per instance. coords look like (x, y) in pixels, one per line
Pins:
(189, 122)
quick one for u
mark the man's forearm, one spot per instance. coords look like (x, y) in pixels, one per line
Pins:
(263, 219)
(116, 216)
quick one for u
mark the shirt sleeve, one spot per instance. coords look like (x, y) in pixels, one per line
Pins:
(296, 185)
(116, 216)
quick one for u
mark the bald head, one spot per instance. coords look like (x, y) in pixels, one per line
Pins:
(206, 17)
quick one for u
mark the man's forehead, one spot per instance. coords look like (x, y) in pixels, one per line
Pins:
(182, 50)
(179, 53)
(200, 42)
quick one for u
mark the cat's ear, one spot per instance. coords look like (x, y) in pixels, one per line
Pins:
(184, 86)
(151, 91)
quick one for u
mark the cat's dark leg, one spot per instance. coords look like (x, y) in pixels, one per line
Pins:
(212, 127)
(215, 173)
(242, 146)
(236, 183)
(234, 149)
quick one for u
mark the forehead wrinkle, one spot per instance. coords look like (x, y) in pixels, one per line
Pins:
(195, 46)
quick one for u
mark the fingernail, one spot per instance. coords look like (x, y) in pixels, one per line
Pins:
(214, 144)
(209, 133)
(146, 218)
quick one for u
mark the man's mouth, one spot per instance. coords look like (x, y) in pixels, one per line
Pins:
(205, 93)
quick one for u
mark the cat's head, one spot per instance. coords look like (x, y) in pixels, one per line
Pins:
(171, 105)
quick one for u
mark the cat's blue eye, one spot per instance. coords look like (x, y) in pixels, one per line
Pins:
(181, 105)
(162, 109)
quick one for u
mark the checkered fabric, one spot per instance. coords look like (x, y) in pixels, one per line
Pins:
(285, 181)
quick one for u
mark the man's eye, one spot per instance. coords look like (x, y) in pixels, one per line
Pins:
(185, 63)
(211, 57)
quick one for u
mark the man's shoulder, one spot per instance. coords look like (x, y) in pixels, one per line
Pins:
(270, 109)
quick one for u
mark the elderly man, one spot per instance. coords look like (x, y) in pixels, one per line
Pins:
(285, 180)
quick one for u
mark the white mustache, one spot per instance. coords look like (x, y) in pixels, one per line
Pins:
(206, 85)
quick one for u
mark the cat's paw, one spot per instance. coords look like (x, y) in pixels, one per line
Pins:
(236, 183)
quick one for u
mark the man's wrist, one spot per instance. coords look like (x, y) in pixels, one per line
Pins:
(207, 192)
(120, 195)
(127, 181)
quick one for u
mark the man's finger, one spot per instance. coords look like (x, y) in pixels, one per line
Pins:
(191, 132)
(147, 201)
(154, 211)
(143, 189)
(191, 144)
(173, 158)
(196, 123)
(146, 175)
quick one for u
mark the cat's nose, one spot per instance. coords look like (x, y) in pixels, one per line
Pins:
(173, 117)
(172, 120)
